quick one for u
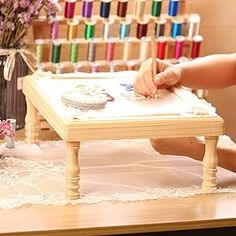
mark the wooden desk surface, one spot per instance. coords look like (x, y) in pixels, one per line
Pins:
(200, 212)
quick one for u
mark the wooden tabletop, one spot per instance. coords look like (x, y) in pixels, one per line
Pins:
(200, 212)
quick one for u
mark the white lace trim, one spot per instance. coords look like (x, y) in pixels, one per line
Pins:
(118, 173)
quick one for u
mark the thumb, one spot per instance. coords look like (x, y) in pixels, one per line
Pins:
(166, 78)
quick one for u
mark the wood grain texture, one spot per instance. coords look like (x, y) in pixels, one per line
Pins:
(203, 211)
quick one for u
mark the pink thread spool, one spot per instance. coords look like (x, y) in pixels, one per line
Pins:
(54, 29)
(196, 43)
(179, 45)
(110, 49)
(69, 9)
(161, 47)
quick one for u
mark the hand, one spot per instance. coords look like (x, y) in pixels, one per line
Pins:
(191, 147)
(167, 76)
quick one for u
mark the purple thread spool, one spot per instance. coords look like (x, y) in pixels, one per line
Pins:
(69, 9)
(87, 8)
(179, 44)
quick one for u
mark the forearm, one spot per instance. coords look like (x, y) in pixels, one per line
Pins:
(210, 72)
(226, 156)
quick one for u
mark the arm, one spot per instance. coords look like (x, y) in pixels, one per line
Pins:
(195, 148)
(210, 72)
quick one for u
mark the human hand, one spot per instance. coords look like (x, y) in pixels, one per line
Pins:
(167, 76)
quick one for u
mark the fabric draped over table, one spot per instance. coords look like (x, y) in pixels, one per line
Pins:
(118, 170)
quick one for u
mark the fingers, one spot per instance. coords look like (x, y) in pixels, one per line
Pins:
(167, 78)
(144, 83)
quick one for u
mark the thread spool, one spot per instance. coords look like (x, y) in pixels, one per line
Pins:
(122, 8)
(39, 50)
(125, 28)
(139, 9)
(161, 47)
(54, 29)
(173, 7)
(111, 67)
(142, 27)
(72, 29)
(74, 49)
(179, 45)
(131, 65)
(193, 25)
(87, 8)
(94, 67)
(77, 67)
(160, 27)
(196, 43)
(89, 29)
(127, 53)
(105, 8)
(110, 50)
(145, 48)
(59, 68)
(156, 8)
(10, 141)
(69, 9)
(107, 28)
(56, 51)
(91, 52)
(176, 27)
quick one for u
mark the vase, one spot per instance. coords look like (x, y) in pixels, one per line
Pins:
(12, 99)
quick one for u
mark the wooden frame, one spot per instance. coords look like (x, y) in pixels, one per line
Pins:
(130, 127)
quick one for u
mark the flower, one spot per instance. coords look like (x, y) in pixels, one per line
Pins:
(6, 129)
(16, 16)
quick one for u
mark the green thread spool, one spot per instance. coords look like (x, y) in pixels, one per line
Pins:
(39, 50)
(89, 29)
(56, 51)
(74, 49)
(156, 7)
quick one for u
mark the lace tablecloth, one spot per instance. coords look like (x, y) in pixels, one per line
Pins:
(119, 170)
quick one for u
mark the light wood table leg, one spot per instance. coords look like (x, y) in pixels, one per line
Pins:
(72, 169)
(210, 162)
(31, 124)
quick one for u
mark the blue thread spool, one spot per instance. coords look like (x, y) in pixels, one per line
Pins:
(176, 28)
(125, 29)
(105, 8)
(173, 7)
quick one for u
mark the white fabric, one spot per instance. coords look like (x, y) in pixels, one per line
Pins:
(119, 170)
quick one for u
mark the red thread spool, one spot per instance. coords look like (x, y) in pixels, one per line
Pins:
(197, 39)
(142, 28)
(122, 8)
(69, 9)
(110, 49)
(179, 45)
(161, 47)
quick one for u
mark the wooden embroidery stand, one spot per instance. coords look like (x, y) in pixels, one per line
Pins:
(43, 95)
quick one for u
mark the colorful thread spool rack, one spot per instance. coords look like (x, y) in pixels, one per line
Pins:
(112, 35)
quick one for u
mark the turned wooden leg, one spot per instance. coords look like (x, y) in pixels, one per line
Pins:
(72, 169)
(210, 162)
(31, 124)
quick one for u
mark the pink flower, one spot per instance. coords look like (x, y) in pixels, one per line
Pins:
(5, 129)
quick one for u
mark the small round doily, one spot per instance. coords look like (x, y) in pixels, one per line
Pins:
(84, 102)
